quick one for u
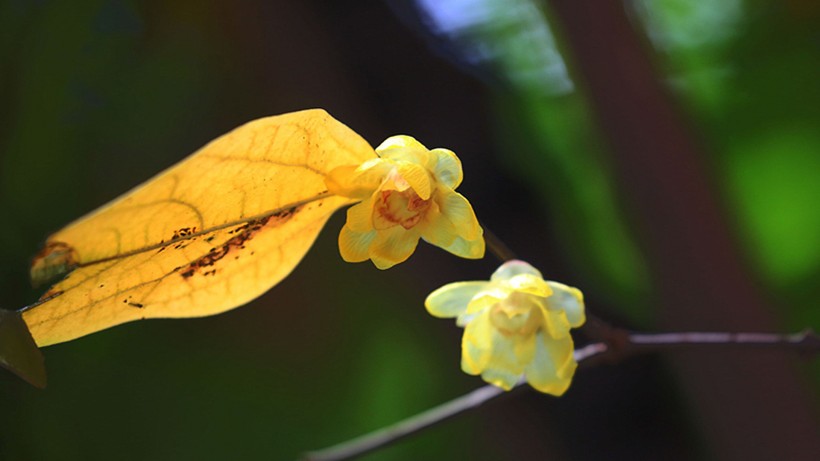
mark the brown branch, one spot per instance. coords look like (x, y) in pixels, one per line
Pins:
(385, 436)
(623, 343)
(807, 341)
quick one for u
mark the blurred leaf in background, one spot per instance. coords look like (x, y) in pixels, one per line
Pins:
(751, 95)
(744, 71)
(545, 125)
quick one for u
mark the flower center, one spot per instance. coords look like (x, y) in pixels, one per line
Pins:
(394, 207)
(518, 314)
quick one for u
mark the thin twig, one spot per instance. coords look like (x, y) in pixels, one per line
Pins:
(805, 341)
(390, 434)
(426, 419)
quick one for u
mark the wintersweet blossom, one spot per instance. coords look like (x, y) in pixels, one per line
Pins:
(407, 193)
(515, 325)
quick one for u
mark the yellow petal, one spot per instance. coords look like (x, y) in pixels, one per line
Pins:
(446, 167)
(456, 209)
(354, 246)
(464, 319)
(417, 177)
(552, 367)
(531, 284)
(360, 216)
(440, 231)
(437, 230)
(512, 268)
(555, 323)
(392, 246)
(525, 348)
(399, 141)
(500, 378)
(469, 249)
(404, 148)
(568, 299)
(487, 298)
(357, 181)
(516, 305)
(476, 344)
(452, 299)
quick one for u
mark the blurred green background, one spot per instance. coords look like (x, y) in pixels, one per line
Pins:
(98, 95)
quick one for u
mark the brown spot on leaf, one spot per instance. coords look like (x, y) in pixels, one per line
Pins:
(183, 232)
(56, 259)
(236, 243)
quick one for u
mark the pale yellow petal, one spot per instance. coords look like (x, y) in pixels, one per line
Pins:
(512, 268)
(456, 209)
(392, 246)
(435, 229)
(531, 284)
(402, 148)
(525, 348)
(469, 249)
(486, 298)
(464, 319)
(357, 181)
(553, 366)
(518, 304)
(399, 141)
(438, 230)
(556, 323)
(354, 246)
(476, 344)
(500, 378)
(360, 216)
(568, 299)
(504, 368)
(446, 167)
(452, 299)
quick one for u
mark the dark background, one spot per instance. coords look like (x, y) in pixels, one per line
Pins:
(660, 155)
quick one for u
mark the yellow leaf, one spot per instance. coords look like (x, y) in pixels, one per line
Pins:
(207, 235)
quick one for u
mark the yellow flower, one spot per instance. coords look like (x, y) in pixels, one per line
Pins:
(515, 325)
(407, 193)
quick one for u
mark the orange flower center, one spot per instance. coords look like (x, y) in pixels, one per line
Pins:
(394, 207)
